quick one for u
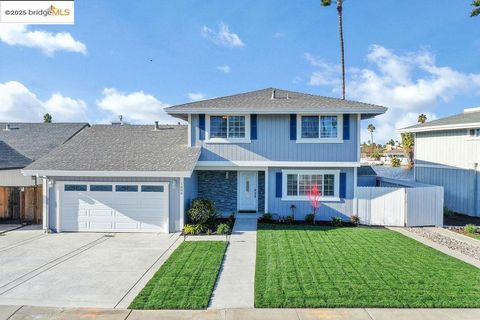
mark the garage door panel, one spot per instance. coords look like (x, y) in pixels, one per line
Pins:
(114, 211)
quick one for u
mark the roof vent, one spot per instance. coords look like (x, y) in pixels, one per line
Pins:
(7, 127)
(156, 126)
(273, 94)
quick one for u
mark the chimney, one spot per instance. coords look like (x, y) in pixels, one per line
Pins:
(156, 126)
(7, 127)
(273, 94)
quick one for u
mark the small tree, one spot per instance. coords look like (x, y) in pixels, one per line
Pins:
(395, 161)
(422, 118)
(476, 8)
(408, 142)
(314, 198)
(47, 118)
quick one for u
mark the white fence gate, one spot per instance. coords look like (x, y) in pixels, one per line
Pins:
(387, 206)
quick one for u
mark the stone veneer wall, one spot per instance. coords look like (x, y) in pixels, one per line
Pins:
(261, 191)
(222, 191)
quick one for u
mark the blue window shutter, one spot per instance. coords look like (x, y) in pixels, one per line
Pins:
(346, 127)
(293, 127)
(253, 127)
(201, 126)
(278, 185)
(343, 184)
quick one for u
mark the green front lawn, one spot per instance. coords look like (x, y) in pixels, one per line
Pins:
(186, 279)
(309, 266)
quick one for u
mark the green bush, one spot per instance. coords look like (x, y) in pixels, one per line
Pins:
(188, 229)
(289, 220)
(354, 219)
(395, 162)
(267, 217)
(202, 211)
(337, 222)
(309, 218)
(447, 212)
(223, 228)
(200, 228)
(470, 228)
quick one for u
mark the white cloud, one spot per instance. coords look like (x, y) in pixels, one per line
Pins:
(18, 103)
(223, 36)
(325, 74)
(136, 107)
(408, 84)
(224, 69)
(197, 96)
(49, 43)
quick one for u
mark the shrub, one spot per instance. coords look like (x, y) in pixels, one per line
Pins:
(447, 212)
(355, 220)
(202, 211)
(200, 228)
(395, 162)
(289, 219)
(337, 222)
(267, 217)
(470, 228)
(309, 218)
(223, 228)
(188, 229)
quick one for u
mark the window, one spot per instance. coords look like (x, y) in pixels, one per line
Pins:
(75, 187)
(475, 132)
(228, 128)
(101, 187)
(152, 189)
(319, 128)
(298, 184)
(126, 188)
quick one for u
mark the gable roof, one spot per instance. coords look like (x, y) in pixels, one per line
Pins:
(274, 101)
(126, 150)
(366, 171)
(469, 119)
(24, 143)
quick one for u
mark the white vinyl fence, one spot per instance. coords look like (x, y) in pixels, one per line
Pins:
(400, 206)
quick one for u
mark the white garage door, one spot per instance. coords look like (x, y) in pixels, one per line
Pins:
(113, 207)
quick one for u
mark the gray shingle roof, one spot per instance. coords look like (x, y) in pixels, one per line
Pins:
(27, 142)
(123, 148)
(261, 101)
(462, 119)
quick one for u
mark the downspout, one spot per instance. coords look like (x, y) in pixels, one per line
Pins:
(475, 190)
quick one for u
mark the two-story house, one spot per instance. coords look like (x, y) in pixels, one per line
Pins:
(259, 151)
(447, 153)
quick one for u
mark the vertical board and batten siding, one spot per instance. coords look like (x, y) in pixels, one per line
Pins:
(381, 206)
(190, 190)
(400, 207)
(342, 208)
(174, 195)
(273, 144)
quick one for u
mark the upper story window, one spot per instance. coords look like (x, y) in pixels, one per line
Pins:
(228, 128)
(319, 128)
(475, 132)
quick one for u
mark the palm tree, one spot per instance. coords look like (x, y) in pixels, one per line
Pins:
(422, 118)
(476, 8)
(47, 118)
(327, 3)
(371, 128)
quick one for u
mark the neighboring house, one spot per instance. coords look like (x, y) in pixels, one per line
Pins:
(395, 152)
(20, 145)
(447, 153)
(256, 152)
(367, 177)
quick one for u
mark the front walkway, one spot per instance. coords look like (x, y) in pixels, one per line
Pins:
(26, 312)
(235, 285)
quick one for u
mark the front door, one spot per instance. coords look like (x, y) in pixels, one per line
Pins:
(247, 191)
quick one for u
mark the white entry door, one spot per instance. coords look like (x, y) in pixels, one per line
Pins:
(247, 191)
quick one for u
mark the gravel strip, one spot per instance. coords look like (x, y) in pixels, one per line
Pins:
(449, 242)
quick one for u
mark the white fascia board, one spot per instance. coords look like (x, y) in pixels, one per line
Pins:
(262, 164)
(215, 111)
(439, 128)
(70, 173)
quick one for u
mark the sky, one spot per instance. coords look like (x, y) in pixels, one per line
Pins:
(121, 58)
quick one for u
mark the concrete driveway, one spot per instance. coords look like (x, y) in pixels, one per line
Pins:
(78, 269)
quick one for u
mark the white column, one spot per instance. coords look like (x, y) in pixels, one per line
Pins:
(266, 190)
(45, 199)
(58, 200)
(182, 202)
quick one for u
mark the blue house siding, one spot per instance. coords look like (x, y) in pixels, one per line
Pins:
(273, 143)
(461, 187)
(343, 208)
(190, 190)
(367, 181)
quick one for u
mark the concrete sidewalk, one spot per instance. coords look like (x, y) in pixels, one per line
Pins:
(235, 285)
(27, 312)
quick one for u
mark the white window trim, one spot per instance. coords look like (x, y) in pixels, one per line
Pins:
(338, 139)
(336, 189)
(228, 140)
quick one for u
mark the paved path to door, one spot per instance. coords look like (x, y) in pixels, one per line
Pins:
(26, 312)
(236, 283)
